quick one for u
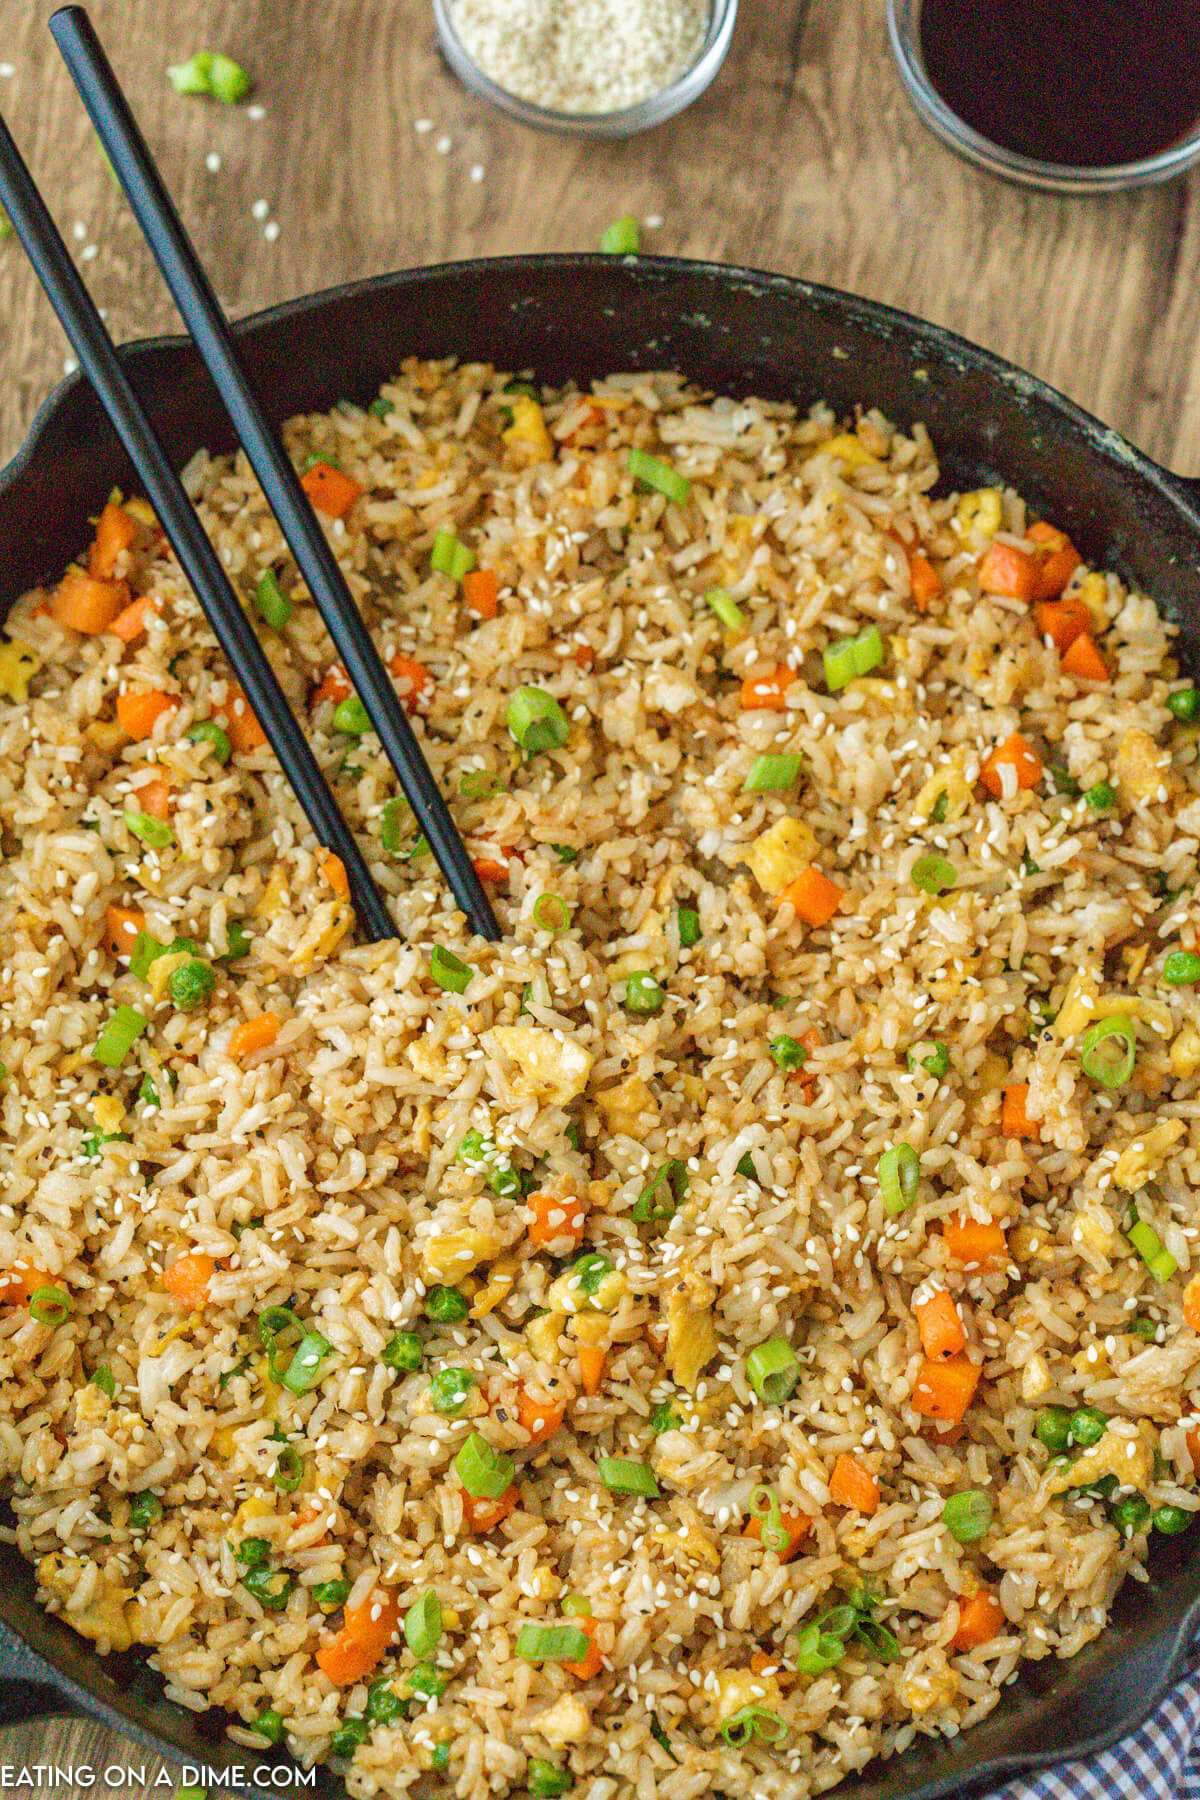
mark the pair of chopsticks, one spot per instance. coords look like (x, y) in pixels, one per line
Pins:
(193, 295)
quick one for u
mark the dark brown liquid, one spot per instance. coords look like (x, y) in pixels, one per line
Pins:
(1089, 83)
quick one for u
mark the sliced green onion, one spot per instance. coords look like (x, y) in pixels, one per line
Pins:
(351, 716)
(95, 1141)
(754, 1722)
(899, 1175)
(418, 847)
(146, 950)
(588, 1272)
(393, 823)
(664, 1418)
(156, 834)
(930, 1057)
(228, 82)
(380, 407)
(552, 1643)
(1103, 795)
(773, 774)
(653, 472)
(271, 601)
(304, 1368)
(773, 1371)
(6, 225)
(550, 913)
(934, 874)
(622, 237)
(288, 1472)
(272, 1588)
(536, 721)
(404, 1351)
(118, 1036)
(237, 942)
(193, 76)
(331, 1594)
(747, 1167)
(1064, 781)
(817, 1651)
(643, 994)
(104, 1379)
(726, 609)
(483, 1471)
(941, 807)
(1108, 1050)
(1150, 1248)
(687, 924)
(145, 1510)
(967, 1515)
(274, 1324)
(620, 1476)
(449, 971)
(851, 658)
(662, 1195)
(566, 853)
(1181, 968)
(450, 1390)
(210, 733)
(545, 1780)
(50, 1306)
(480, 784)
(765, 1507)
(1185, 705)
(451, 557)
(787, 1053)
(423, 1624)
(445, 1306)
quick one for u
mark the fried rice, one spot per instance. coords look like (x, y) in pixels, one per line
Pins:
(697, 1343)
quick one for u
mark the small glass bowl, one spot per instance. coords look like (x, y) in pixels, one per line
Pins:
(904, 28)
(629, 119)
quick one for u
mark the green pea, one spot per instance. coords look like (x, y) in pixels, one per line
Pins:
(425, 1681)
(546, 1779)
(190, 984)
(450, 1390)
(351, 716)
(1171, 1520)
(786, 1053)
(145, 1510)
(1088, 1425)
(1053, 1429)
(404, 1351)
(269, 1725)
(384, 1703)
(445, 1306)
(1131, 1514)
(1185, 705)
(348, 1736)
(253, 1553)
(329, 1594)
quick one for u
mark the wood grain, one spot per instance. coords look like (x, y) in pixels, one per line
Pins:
(804, 157)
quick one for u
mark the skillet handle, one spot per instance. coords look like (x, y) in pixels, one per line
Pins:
(27, 1689)
(1191, 488)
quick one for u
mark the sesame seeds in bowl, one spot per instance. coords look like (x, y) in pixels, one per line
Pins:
(596, 68)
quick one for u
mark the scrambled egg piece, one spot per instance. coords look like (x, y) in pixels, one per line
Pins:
(1139, 1160)
(453, 1254)
(781, 854)
(250, 1512)
(568, 1721)
(18, 666)
(1184, 1054)
(691, 1547)
(567, 1294)
(1139, 767)
(498, 1286)
(108, 1110)
(692, 1340)
(1083, 1004)
(527, 434)
(948, 779)
(627, 1105)
(853, 453)
(981, 510)
(1130, 1458)
(1035, 1379)
(739, 1688)
(543, 1333)
(549, 1068)
(110, 1616)
(929, 1689)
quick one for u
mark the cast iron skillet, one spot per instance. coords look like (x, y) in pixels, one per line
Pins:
(736, 332)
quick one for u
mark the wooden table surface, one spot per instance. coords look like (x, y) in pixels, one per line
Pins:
(367, 155)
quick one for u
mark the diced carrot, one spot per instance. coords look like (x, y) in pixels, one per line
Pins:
(481, 593)
(1193, 1445)
(1005, 570)
(481, 1515)
(115, 531)
(133, 619)
(334, 871)
(852, 1484)
(943, 1390)
(1084, 661)
(240, 720)
(813, 897)
(331, 490)
(139, 711)
(413, 678)
(972, 1241)
(555, 1216)
(809, 1040)
(1015, 1121)
(366, 1631)
(188, 1277)
(121, 926)
(86, 604)
(1191, 1303)
(924, 581)
(592, 1358)
(796, 1524)
(584, 656)
(335, 686)
(1057, 560)
(19, 1284)
(938, 1322)
(253, 1034)
(1015, 754)
(588, 1667)
(540, 1418)
(980, 1619)
(154, 797)
(764, 691)
(488, 869)
(1062, 621)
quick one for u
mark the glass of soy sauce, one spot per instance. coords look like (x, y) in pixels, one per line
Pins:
(1078, 96)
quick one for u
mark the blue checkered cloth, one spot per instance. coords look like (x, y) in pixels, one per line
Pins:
(1161, 1761)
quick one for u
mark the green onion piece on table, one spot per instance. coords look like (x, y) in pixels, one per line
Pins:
(1108, 1050)
(773, 1371)
(622, 237)
(449, 971)
(653, 472)
(850, 658)
(899, 1174)
(552, 1643)
(482, 1470)
(271, 601)
(773, 774)
(228, 82)
(620, 1476)
(193, 76)
(536, 721)
(118, 1036)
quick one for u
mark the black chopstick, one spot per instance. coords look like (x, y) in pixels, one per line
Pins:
(179, 519)
(192, 292)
